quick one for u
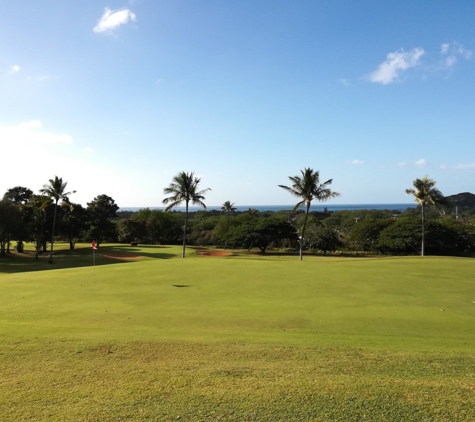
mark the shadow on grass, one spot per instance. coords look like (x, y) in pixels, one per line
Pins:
(80, 257)
(147, 251)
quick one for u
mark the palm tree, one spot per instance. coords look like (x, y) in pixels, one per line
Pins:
(184, 188)
(425, 193)
(308, 188)
(39, 205)
(56, 190)
(227, 208)
(253, 213)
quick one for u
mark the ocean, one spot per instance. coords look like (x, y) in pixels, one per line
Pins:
(313, 207)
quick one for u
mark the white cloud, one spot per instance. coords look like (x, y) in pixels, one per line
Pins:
(444, 48)
(461, 166)
(14, 69)
(29, 134)
(89, 150)
(43, 154)
(450, 61)
(344, 82)
(357, 162)
(421, 163)
(111, 19)
(396, 63)
(454, 48)
(451, 52)
(403, 164)
(159, 81)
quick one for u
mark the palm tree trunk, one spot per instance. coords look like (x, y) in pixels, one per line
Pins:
(227, 230)
(423, 231)
(38, 245)
(184, 231)
(303, 231)
(50, 261)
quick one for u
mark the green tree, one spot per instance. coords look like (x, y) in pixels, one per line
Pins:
(184, 188)
(444, 236)
(73, 222)
(253, 213)
(307, 188)
(323, 238)
(366, 233)
(101, 210)
(38, 206)
(10, 222)
(261, 233)
(426, 194)
(228, 208)
(131, 230)
(56, 190)
(19, 195)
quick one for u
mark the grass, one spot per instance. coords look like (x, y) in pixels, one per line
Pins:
(236, 338)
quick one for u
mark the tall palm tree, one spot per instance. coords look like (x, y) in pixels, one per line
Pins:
(184, 188)
(307, 188)
(56, 190)
(228, 208)
(38, 205)
(425, 193)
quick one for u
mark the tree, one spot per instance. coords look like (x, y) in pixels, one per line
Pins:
(56, 190)
(184, 188)
(425, 193)
(366, 233)
(101, 210)
(262, 232)
(227, 208)
(131, 230)
(323, 238)
(444, 236)
(253, 213)
(73, 222)
(308, 188)
(38, 206)
(19, 195)
(10, 221)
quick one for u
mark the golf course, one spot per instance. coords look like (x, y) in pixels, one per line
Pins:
(139, 334)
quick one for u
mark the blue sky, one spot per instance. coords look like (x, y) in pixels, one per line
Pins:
(117, 97)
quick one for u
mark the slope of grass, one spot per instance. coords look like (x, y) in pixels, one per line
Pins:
(237, 338)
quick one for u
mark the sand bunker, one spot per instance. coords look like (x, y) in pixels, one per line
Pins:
(122, 256)
(214, 253)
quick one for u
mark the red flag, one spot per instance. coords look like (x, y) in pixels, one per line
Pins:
(93, 244)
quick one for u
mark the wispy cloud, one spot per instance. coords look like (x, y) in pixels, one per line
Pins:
(31, 134)
(396, 62)
(421, 163)
(357, 162)
(111, 19)
(159, 81)
(403, 164)
(344, 82)
(461, 166)
(88, 150)
(451, 52)
(14, 69)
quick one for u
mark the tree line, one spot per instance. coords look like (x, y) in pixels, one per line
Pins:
(41, 218)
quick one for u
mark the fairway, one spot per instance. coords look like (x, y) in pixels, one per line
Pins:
(242, 337)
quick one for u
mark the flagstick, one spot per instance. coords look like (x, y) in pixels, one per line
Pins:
(94, 263)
